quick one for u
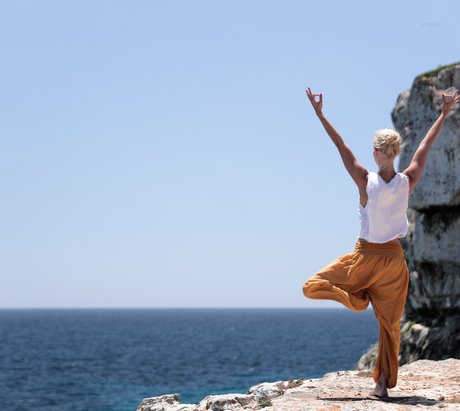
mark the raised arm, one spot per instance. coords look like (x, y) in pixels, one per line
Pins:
(357, 172)
(415, 169)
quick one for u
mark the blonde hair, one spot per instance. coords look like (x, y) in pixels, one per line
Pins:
(387, 141)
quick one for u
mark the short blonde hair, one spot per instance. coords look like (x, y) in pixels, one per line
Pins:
(387, 141)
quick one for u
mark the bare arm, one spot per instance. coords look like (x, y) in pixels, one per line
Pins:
(357, 172)
(415, 169)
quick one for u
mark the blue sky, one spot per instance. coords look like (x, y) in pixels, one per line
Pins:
(164, 154)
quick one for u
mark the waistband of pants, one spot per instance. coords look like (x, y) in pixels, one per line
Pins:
(390, 249)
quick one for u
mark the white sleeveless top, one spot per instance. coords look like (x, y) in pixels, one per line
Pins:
(384, 217)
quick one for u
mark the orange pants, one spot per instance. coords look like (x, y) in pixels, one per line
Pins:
(375, 273)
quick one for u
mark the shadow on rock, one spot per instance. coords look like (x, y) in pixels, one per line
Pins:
(409, 400)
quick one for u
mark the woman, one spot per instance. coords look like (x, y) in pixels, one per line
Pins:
(376, 271)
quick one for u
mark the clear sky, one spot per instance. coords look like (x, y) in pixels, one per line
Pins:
(164, 153)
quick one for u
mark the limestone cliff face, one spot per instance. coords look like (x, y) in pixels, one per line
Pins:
(431, 322)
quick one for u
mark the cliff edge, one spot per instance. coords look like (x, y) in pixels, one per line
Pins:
(423, 384)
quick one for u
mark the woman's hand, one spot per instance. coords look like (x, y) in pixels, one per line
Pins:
(449, 101)
(317, 105)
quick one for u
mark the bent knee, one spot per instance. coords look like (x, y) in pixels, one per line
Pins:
(308, 289)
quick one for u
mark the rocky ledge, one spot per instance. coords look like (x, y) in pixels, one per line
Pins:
(423, 384)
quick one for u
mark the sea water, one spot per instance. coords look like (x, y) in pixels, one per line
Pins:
(110, 359)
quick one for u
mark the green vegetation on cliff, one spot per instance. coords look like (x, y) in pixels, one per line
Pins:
(435, 72)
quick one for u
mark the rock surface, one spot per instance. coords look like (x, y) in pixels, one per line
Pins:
(431, 321)
(423, 384)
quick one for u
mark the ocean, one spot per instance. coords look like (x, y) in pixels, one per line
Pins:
(110, 359)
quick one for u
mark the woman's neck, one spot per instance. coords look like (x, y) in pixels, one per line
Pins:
(387, 172)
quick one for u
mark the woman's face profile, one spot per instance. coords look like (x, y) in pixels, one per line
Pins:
(379, 157)
(376, 154)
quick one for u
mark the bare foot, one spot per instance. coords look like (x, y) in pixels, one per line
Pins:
(379, 392)
(380, 389)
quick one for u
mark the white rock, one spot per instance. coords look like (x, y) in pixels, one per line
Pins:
(168, 402)
(221, 402)
(268, 390)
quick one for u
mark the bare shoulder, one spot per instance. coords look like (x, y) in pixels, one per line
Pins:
(404, 174)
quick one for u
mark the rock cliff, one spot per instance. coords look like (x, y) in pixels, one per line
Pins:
(421, 385)
(431, 321)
